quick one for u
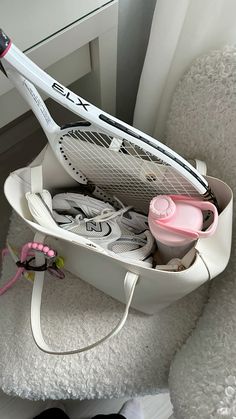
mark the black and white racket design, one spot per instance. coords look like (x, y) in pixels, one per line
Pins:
(100, 149)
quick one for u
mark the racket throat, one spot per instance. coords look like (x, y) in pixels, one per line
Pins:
(70, 96)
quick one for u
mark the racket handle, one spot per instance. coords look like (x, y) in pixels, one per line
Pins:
(5, 43)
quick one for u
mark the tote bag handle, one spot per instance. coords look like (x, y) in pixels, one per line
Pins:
(130, 282)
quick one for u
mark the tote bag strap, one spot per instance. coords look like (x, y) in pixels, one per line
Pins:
(130, 282)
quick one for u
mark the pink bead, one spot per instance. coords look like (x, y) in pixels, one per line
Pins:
(45, 249)
(51, 253)
(34, 246)
(40, 247)
(30, 245)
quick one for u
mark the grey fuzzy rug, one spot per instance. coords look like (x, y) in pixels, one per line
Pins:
(203, 121)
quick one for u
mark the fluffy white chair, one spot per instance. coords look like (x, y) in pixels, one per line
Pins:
(202, 120)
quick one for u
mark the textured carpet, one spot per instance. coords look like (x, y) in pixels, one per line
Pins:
(136, 362)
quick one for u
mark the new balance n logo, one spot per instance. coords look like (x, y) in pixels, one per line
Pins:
(93, 226)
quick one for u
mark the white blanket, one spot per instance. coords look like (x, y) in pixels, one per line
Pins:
(136, 362)
(203, 121)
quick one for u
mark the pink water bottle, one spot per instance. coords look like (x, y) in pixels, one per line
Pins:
(176, 222)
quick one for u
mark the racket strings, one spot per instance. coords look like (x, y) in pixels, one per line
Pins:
(121, 168)
(107, 163)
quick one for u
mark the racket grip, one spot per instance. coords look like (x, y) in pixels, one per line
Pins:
(5, 43)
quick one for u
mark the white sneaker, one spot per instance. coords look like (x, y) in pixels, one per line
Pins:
(112, 230)
(132, 409)
(75, 203)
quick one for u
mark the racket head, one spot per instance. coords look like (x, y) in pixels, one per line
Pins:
(119, 167)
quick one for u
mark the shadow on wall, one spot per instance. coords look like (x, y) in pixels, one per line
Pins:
(135, 19)
(134, 24)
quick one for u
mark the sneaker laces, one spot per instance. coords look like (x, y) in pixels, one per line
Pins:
(106, 215)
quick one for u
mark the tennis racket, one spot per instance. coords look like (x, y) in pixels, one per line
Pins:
(100, 149)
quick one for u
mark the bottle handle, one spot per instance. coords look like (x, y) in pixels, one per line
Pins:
(208, 206)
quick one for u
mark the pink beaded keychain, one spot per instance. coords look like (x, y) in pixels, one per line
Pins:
(27, 256)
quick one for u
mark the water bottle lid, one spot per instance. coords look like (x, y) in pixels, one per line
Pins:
(162, 206)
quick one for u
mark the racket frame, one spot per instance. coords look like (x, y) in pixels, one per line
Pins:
(25, 75)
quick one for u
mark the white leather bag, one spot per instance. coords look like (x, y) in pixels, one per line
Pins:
(145, 289)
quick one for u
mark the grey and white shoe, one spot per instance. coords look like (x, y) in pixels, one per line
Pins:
(75, 203)
(132, 410)
(123, 232)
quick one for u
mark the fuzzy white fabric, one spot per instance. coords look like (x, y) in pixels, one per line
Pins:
(203, 121)
(135, 362)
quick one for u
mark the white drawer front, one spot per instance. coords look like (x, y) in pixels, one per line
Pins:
(29, 22)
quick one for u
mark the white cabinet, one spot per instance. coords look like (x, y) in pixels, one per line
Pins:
(65, 37)
(30, 22)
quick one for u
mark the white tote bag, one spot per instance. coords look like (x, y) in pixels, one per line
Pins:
(145, 289)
